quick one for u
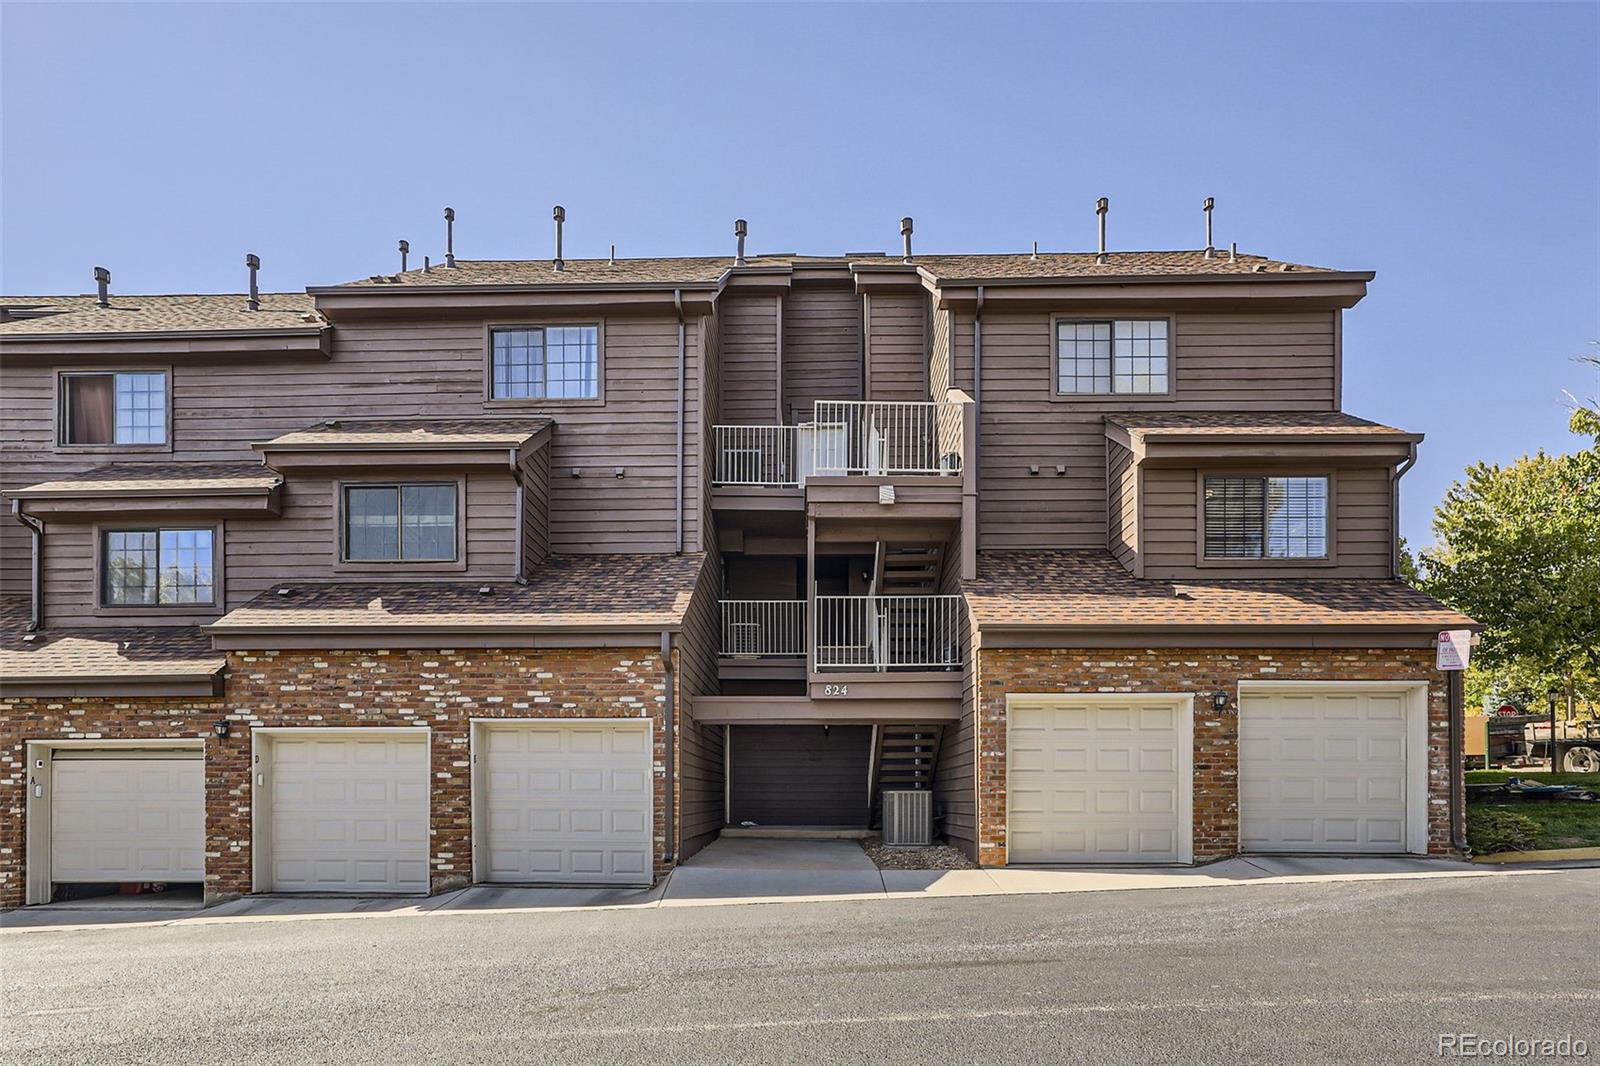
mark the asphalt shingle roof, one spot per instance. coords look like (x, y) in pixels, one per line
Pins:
(96, 654)
(1091, 590)
(579, 592)
(1314, 424)
(155, 314)
(488, 432)
(149, 479)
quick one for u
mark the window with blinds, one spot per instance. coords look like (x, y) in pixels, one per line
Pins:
(1266, 518)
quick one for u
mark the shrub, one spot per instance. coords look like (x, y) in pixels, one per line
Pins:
(1490, 830)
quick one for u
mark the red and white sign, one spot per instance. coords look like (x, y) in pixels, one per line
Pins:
(1454, 649)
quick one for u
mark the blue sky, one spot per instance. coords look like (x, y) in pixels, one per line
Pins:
(1453, 148)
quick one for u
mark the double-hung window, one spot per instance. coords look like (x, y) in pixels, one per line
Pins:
(400, 523)
(545, 363)
(1266, 517)
(158, 567)
(1112, 357)
(113, 408)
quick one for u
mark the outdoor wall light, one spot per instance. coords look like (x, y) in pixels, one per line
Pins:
(1219, 701)
(221, 728)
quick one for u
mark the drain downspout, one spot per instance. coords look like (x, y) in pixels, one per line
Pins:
(677, 303)
(36, 575)
(522, 552)
(977, 403)
(1394, 508)
(669, 734)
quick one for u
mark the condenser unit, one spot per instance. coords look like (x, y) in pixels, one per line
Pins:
(907, 818)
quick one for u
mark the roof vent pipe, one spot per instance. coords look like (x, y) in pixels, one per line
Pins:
(613, 261)
(1101, 206)
(741, 230)
(427, 266)
(450, 237)
(1211, 248)
(405, 250)
(560, 215)
(253, 261)
(1233, 252)
(905, 236)
(1035, 249)
(102, 278)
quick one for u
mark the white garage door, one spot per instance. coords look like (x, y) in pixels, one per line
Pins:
(127, 816)
(1098, 781)
(1323, 770)
(348, 812)
(566, 803)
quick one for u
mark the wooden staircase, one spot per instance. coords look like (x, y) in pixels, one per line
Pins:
(907, 758)
(908, 571)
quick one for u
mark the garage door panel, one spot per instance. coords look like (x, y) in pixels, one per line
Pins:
(567, 802)
(1098, 781)
(348, 813)
(121, 817)
(1348, 796)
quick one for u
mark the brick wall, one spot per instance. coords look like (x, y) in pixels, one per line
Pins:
(442, 690)
(1216, 740)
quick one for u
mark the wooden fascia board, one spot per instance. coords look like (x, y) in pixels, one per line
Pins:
(311, 341)
(219, 504)
(1164, 452)
(377, 302)
(300, 457)
(198, 683)
(248, 638)
(1340, 291)
(1353, 635)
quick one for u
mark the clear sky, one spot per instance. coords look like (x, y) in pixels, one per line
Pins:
(1453, 148)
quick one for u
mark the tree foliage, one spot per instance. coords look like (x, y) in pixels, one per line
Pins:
(1518, 548)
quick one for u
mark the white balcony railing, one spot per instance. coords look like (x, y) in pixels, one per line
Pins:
(756, 455)
(764, 629)
(879, 632)
(881, 438)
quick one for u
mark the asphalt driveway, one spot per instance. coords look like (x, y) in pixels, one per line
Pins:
(1358, 971)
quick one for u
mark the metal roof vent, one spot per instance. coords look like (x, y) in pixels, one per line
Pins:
(905, 236)
(450, 237)
(405, 250)
(1101, 207)
(741, 230)
(1211, 248)
(560, 216)
(253, 261)
(102, 280)
(1233, 252)
(613, 260)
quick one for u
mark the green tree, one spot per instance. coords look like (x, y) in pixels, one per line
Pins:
(1518, 548)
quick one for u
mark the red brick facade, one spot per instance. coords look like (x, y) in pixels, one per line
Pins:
(1216, 750)
(442, 690)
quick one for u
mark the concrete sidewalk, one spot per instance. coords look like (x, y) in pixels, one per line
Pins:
(754, 872)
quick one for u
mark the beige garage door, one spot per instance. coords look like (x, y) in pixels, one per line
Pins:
(125, 815)
(347, 812)
(565, 802)
(1323, 770)
(1098, 780)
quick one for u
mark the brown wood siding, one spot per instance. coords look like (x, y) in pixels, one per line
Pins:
(941, 371)
(749, 364)
(299, 545)
(425, 369)
(1233, 361)
(821, 348)
(1360, 528)
(799, 774)
(700, 747)
(896, 347)
(954, 779)
(536, 508)
(1122, 504)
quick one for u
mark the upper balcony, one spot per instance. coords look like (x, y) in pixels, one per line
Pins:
(846, 438)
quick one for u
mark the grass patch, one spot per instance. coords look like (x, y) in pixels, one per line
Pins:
(1532, 825)
(1497, 777)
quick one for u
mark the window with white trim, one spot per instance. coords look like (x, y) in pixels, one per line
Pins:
(546, 363)
(158, 567)
(400, 523)
(1116, 356)
(113, 408)
(1266, 517)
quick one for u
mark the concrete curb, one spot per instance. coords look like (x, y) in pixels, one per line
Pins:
(1547, 855)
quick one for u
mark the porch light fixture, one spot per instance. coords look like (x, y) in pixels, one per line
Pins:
(1219, 701)
(221, 728)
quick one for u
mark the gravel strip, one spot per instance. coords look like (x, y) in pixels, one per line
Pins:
(938, 857)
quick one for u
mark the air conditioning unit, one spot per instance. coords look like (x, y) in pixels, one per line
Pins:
(907, 818)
